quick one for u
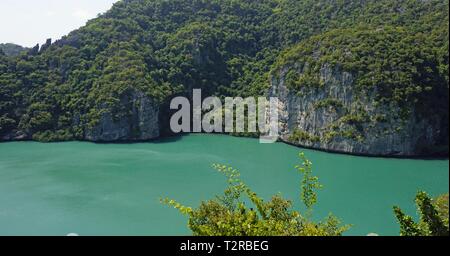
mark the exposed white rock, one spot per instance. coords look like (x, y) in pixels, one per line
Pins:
(393, 136)
(141, 124)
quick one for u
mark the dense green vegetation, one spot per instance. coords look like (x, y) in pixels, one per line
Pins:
(225, 47)
(433, 217)
(228, 215)
(401, 66)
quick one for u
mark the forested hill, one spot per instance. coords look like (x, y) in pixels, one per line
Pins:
(108, 80)
(9, 49)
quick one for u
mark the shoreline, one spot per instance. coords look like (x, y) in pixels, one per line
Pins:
(175, 138)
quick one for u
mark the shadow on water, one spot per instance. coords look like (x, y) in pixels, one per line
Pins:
(169, 139)
(161, 140)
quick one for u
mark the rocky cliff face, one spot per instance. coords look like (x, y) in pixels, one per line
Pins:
(138, 121)
(139, 124)
(337, 117)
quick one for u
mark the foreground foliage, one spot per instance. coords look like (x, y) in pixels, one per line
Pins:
(433, 217)
(228, 215)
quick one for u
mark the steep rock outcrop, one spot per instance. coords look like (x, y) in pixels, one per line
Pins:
(140, 123)
(337, 117)
(371, 91)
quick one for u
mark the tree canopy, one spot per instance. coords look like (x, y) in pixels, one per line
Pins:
(225, 47)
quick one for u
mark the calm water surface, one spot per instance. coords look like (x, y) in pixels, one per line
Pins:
(114, 189)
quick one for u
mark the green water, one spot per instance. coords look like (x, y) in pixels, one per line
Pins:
(105, 189)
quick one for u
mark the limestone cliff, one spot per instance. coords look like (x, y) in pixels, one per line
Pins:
(139, 124)
(370, 91)
(337, 117)
(138, 120)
